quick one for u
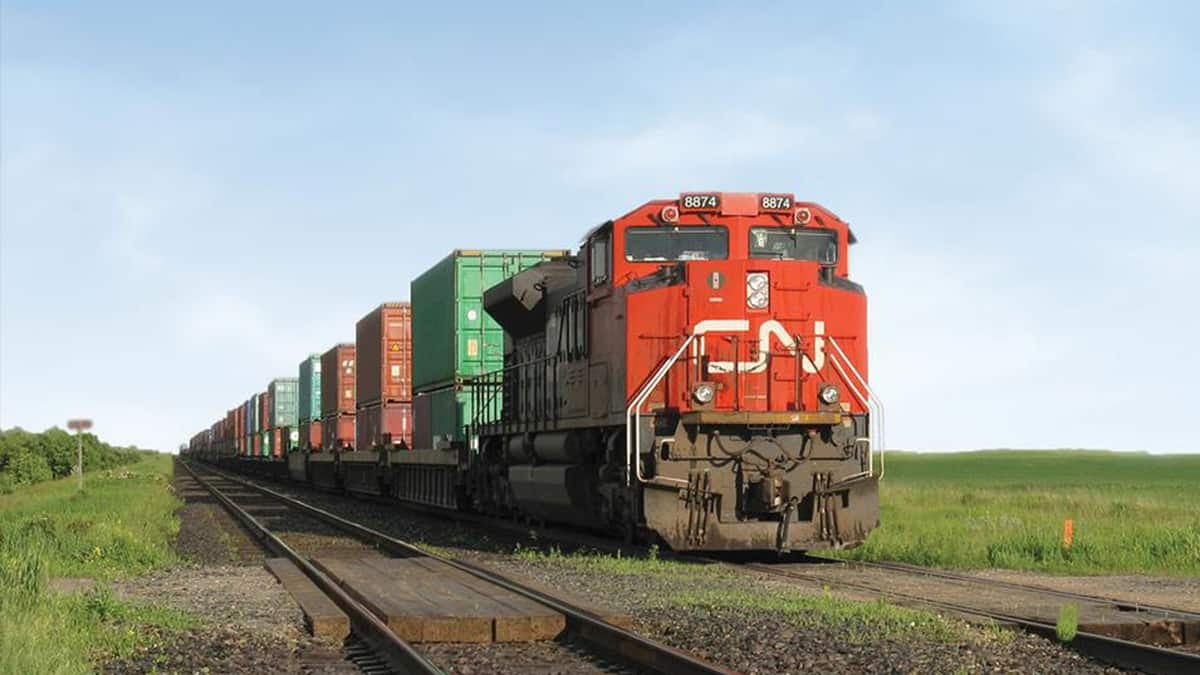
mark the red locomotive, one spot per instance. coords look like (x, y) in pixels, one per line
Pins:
(698, 371)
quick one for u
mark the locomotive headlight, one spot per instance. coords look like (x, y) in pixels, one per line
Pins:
(758, 290)
(704, 393)
(829, 394)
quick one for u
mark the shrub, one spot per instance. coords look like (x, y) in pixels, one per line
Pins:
(27, 468)
(27, 458)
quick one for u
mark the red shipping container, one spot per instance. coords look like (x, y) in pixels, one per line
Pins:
(337, 380)
(277, 442)
(337, 432)
(384, 342)
(264, 410)
(384, 426)
(310, 436)
(257, 446)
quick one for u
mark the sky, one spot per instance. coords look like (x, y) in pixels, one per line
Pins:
(193, 198)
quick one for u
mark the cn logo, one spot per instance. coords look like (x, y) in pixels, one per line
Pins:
(765, 331)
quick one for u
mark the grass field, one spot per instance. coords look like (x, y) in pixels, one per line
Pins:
(1132, 513)
(121, 524)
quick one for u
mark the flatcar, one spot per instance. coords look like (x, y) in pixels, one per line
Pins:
(694, 374)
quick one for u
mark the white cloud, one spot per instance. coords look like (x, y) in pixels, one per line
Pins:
(127, 242)
(954, 346)
(1127, 132)
(219, 321)
(688, 143)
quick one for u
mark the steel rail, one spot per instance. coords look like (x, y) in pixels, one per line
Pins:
(1168, 612)
(582, 624)
(399, 655)
(1122, 653)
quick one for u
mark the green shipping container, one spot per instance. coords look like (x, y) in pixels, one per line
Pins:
(284, 401)
(453, 339)
(310, 389)
(440, 415)
(256, 423)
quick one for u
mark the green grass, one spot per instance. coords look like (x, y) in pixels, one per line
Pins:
(859, 621)
(615, 565)
(1067, 625)
(712, 588)
(122, 524)
(1132, 512)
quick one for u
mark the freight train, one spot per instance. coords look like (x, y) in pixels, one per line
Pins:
(694, 374)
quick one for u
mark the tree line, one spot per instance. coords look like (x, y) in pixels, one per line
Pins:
(27, 457)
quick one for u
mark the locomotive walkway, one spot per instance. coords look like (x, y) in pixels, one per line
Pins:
(396, 595)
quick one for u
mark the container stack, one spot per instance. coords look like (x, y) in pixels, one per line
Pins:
(337, 397)
(455, 339)
(264, 424)
(240, 430)
(229, 434)
(283, 393)
(244, 432)
(251, 423)
(308, 413)
(383, 341)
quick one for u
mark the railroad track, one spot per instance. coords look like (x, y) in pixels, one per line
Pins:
(1167, 613)
(586, 633)
(1124, 653)
(374, 646)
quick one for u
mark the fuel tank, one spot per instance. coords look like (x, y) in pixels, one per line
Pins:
(557, 492)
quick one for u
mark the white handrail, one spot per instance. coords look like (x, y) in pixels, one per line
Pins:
(633, 414)
(866, 403)
(870, 400)
(633, 418)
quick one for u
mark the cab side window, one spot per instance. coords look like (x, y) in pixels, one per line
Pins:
(601, 263)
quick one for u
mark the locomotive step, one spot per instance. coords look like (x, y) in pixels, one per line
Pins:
(423, 600)
(323, 617)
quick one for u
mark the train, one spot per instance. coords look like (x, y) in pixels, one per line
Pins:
(693, 374)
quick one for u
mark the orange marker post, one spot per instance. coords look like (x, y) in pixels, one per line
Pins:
(1068, 533)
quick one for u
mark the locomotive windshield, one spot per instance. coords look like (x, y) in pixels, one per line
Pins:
(680, 243)
(794, 244)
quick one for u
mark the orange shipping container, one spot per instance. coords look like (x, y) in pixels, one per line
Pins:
(310, 436)
(383, 340)
(337, 380)
(337, 432)
(387, 426)
(264, 410)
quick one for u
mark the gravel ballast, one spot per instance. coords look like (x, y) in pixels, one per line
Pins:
(247, 622)
(749, 634)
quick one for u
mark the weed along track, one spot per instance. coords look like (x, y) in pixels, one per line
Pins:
(1147, 638)
(420, 612)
